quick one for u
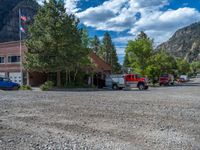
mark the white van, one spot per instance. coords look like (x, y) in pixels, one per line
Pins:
(184, 78)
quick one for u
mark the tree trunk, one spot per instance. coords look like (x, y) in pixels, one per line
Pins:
(92, 80)
(75, 74)
(58, 79)
(28, 80)
(67, 77)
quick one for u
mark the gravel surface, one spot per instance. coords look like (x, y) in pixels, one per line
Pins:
(160, 118)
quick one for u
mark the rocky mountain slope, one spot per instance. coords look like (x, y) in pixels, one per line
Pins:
(185, 42)
(9, 17)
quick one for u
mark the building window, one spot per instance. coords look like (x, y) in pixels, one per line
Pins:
(2, 60)
(13, 59)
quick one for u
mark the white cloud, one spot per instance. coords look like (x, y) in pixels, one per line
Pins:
(120, 15)
(161, 25)
(120, 50)
(40, 2)
(70, 5)
(108, 16)
(123, 39)
(116, 15)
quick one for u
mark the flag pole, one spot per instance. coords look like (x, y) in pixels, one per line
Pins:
(20, 46)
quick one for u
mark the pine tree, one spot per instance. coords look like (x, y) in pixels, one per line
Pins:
(109, 54)
(54, 43)
(85, 38)
(95, 44)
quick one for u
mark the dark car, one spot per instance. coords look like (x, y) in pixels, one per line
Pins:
(166, 79)
(7, 84)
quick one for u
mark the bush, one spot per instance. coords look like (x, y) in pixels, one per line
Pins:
(25, 87)
(48, 85)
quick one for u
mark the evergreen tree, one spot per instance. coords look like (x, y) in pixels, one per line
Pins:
(95, 44)
(126, 61)
(85, 38)
(142, 35)
(54, 43)
(116, 67)
(108, 53)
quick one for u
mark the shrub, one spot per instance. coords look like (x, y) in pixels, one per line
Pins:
(25, 87)
(48, 85)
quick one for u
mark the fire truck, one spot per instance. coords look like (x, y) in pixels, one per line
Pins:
(117, 82)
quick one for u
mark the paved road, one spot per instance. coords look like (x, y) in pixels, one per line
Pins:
(160, 118)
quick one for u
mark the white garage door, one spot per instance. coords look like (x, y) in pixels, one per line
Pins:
(15, 77)
(2, 74)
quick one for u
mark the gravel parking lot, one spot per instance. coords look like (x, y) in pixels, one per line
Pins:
(160, 118)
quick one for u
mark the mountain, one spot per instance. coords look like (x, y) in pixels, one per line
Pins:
(184, 43)
(9, 17)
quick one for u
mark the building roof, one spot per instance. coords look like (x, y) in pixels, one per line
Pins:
(101, 65)
(9, 44)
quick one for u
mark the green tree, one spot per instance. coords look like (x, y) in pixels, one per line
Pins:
(85, 38)
(54, 41)
(139, 52)
(116, 67)
(95, 44)
(109, 54)
(195, 67)
(126, 62)
(160, 63)
(142, 35)
(183, 67)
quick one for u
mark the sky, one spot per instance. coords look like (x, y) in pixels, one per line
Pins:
(124, 19)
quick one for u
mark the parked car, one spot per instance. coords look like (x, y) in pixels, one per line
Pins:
(166, 79)
(7, 84)
(128, 80)
(183, 78)
(115, 82)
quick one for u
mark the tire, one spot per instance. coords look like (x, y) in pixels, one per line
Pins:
(115, 87)
(141, 86)
(120, 88)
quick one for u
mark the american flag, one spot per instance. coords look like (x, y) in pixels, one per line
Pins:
(24, 18)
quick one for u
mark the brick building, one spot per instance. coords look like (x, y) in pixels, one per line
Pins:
(11, 66)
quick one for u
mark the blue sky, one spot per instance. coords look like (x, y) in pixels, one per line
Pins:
(124, 19)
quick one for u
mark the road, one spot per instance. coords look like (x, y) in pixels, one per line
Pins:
(160, 118)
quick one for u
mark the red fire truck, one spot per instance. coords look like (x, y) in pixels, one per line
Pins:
(127, 81)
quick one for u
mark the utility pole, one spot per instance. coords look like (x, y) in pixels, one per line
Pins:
(20, 47)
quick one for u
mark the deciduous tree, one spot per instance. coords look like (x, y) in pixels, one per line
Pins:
(138, 52)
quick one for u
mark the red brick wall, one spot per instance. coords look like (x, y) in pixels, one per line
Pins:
(13, 48)
(7, 49)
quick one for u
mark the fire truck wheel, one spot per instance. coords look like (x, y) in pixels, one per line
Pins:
(141, 86)
(115, 87)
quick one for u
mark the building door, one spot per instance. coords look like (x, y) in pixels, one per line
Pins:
(15, 77)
